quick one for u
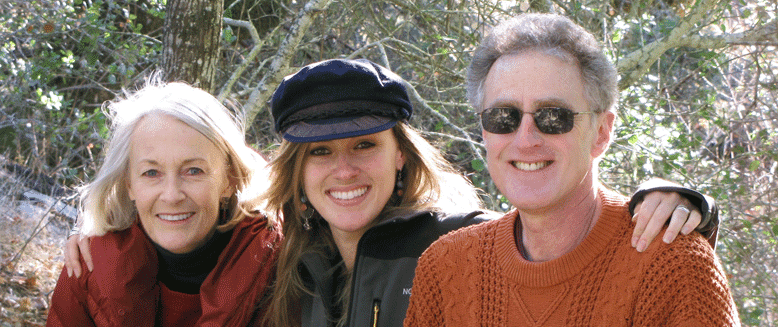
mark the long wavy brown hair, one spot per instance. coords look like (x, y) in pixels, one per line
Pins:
(425, 173)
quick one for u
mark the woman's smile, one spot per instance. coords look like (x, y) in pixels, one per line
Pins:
(178, 217)
(349, 195)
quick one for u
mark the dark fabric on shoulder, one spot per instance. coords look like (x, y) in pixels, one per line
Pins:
(451, 222)
(423, 230)
(706, 204)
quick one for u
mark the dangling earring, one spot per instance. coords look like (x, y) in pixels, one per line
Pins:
(399, 186)
(224, 209)
(307, 212)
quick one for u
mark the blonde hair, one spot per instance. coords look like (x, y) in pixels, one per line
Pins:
(105, 204)
(431, 184)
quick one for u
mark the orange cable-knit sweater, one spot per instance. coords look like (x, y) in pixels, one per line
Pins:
(476, 277)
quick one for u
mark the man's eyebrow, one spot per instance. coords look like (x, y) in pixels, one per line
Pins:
(552, 102)
(540, 103)
(504, 103)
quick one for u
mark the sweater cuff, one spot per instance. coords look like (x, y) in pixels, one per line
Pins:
(705, 203)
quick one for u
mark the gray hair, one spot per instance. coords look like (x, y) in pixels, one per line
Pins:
(554, 35)
(105, 202)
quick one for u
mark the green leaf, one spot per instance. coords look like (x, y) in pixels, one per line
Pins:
(754, 165)
(477, 165)
(747, 223)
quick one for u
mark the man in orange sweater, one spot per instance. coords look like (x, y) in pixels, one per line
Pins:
(545, 93)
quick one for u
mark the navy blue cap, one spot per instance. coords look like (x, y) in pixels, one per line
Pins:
(339, 98)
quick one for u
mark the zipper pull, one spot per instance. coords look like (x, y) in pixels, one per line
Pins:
(376, 309)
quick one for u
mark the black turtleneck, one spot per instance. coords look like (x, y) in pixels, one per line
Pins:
(185, 272)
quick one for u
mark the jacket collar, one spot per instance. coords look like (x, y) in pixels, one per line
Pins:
(319, 265)
(401, 215)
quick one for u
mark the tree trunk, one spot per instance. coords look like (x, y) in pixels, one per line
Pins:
(191, 41)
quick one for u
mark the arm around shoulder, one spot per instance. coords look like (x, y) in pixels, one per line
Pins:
(706, 204)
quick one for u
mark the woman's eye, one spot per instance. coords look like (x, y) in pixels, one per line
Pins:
(194, 171)
(319, 151)
(150, 173)
(365, 145)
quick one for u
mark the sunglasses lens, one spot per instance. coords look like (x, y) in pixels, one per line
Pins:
(500, 120)
(554, 120)
(548, 120)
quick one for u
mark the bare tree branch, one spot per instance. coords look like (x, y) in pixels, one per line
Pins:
(766, 34)
(258, 44)
(634, 65)
(280, 63)
(470, 143)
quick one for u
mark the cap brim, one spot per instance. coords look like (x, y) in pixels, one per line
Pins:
(337, 128)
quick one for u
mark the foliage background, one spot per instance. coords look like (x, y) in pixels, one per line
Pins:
(698, 99)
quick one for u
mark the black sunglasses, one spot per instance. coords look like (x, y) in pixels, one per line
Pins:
(550, 120)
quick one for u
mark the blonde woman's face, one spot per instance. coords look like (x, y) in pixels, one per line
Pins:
(349, 181)
(177, 178)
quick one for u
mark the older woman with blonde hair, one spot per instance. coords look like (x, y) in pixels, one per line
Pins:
(173, 236)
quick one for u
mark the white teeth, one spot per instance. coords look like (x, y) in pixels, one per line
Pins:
(174, 217)
(348, 195)
(531, 166)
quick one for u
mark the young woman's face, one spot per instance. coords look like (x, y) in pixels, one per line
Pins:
(349, 181)
(176, 178)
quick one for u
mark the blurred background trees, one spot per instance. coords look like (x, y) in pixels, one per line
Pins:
(698, 82)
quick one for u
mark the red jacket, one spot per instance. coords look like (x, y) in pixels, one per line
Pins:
(123, 289)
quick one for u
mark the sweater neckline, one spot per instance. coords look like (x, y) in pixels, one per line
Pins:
(548, 273)
(185, 272)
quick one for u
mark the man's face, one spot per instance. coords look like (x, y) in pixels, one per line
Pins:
(533, 170)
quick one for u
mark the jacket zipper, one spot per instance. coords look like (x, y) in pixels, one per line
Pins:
(376, 309)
